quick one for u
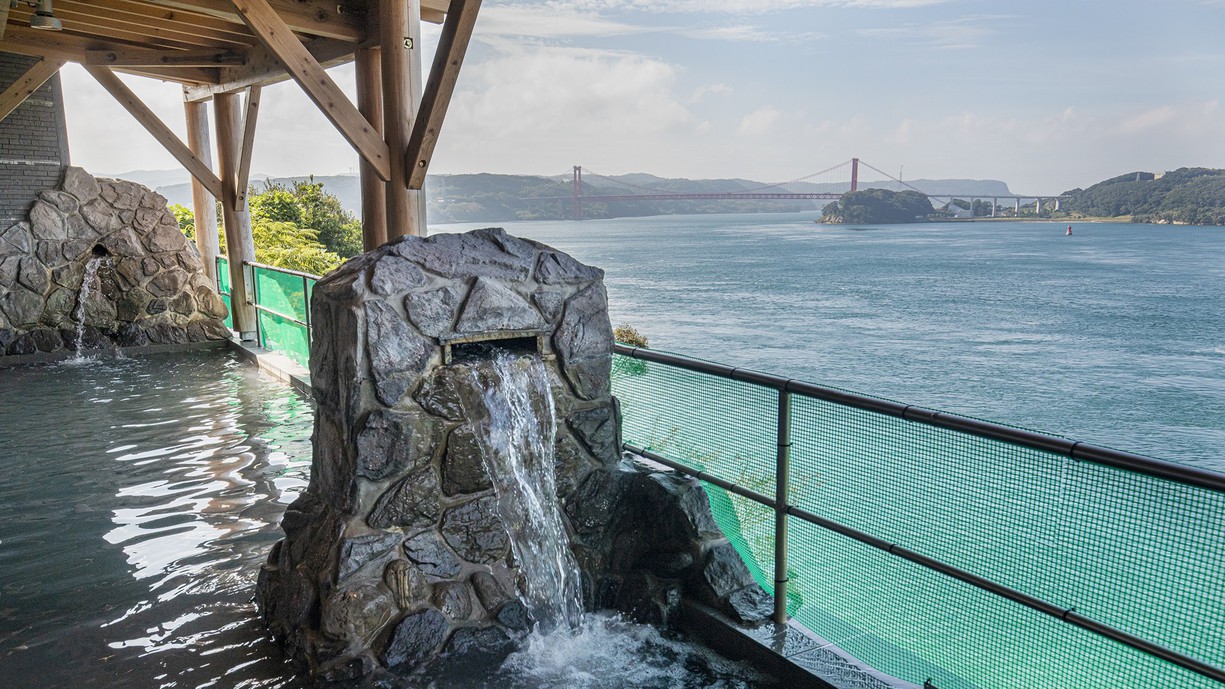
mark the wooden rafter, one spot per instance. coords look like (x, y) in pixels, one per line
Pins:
(156, 127)
(319, 87)
(242, 176)
(452, 46)
(163, 58)
(184, 20)
(27, 84)
(89, 24)
(262, 67)
(62, 46)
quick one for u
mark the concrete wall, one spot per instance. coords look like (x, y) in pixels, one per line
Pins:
(33, 142)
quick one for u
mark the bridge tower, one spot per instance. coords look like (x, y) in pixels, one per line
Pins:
(854, 174)
(577, 210)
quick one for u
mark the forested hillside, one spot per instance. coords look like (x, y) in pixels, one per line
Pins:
(1191, 195)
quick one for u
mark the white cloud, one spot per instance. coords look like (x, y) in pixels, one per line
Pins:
(748, 33)
(716, 89)
(547, 22)
(759, 122)
(736, 6)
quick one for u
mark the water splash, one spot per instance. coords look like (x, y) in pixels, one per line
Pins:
(87, 287)
(519, 436)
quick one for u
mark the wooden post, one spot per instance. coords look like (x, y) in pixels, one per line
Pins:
(374, 189)
(239, 245)
(204, 204)
(400, 42)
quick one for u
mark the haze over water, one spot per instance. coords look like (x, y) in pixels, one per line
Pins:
(1113, 336)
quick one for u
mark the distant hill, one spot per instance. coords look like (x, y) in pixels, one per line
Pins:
(1188, 195)
(493, 198)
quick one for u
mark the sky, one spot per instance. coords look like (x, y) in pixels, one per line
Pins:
(1046, 95)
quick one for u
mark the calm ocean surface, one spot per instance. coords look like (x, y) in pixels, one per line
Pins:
(1115, 335)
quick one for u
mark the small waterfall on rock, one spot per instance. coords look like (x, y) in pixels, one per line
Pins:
(87, 287)
(519, 437)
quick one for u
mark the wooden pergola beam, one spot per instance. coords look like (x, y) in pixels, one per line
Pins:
(449, 58)
(263, 68)
(242, 176)
(277, 37)
(156, 127)
(163, 58)
(27, 84)
(313, 17)
(63, 46)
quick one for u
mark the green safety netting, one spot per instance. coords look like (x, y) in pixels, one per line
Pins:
(1141, 554)
(282, 303)
(224, 289)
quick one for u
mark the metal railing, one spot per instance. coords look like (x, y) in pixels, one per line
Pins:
(788, 390)
(282, 320)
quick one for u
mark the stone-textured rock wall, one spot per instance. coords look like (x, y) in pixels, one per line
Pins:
(149, 288)
(33, 141)
(395, 553)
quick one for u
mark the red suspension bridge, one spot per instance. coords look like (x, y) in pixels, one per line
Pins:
(826, 185)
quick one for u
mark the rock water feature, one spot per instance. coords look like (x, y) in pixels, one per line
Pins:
(466, 501)
(148, 286)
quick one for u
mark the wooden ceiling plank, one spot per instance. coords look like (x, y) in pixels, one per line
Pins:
(155, 27)
(243, 176)
(85, 25)
(277, 37)
(64, 46)
(27, 84)
(263, 68)
(449, 58)
(177, 18)
(156, 127)
(312, 17)
(163, 58)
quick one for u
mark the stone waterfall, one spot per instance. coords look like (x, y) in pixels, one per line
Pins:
(397, 551)
(150, 289)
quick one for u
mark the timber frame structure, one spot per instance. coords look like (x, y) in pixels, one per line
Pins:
(226, 51)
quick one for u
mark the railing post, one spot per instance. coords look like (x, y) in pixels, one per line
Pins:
(306, 303)
(782, 492)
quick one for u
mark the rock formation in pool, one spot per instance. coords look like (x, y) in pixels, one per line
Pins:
(396, 552)
(146, 284)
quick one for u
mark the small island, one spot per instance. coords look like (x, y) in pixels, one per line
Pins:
(878, 206)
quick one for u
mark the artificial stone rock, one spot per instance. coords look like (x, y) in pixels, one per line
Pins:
(168, 283)
(463, 469)
(46, 222)
(549, 303)
(79, 229)
(122, 243)
(183, 304)
(166, 333)
(397, 354)
(453, 599)
(64, 203)
(157, 306)
(58, 306)
(492, 307)
(440, 392)
(432, 557)
(209, 303)
(407, 583)
(22, 344)
(597, 429)
(417, 638)
(362, 551)
(69, 276)
(131, 306)
(161, 238)
(555, 268)
(16, 240)
(150, 266)
(475, 531)
(131, 335)
(75, 249)
(489, 591)
(49, 253)
(21, 307)
(724, 572)
(394, 274)
(32, 275)
(356, 613)
(468, 255)
(80, 184)
(433, 312)
(100, 216)
(514, 616)
(411, 503)
(10, 268)
(203, 329)
(47, 339)
(484, 641)
(583, 341)
(391, 443)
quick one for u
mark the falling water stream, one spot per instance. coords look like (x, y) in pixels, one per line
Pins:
(87, 286)
(519, 438)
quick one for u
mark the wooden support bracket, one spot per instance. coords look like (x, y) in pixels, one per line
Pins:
(243, 174)
(163, 58)
(449, 58)
(156, 127)
(26, 84)
(302, 66)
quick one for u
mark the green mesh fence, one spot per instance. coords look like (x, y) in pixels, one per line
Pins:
(282, 312)
(224, 289)
(1138, 553)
